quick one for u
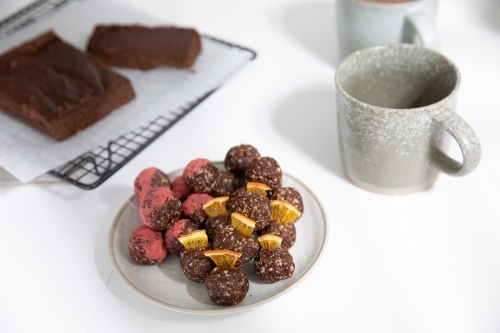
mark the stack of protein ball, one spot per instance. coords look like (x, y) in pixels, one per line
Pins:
(179, 217)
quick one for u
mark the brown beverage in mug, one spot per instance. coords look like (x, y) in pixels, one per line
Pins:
(389, 1)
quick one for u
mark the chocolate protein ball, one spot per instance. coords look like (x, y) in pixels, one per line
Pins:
(180, 228)
(285, 231)
(265, 170)
(146, 246)
(254, 207)
(290, 195)
(180, 188)
(148, 179)
(274, 265)
(238, 158)
(226, 286)
(234, 196)
(192, 208)
(229, 239)
(215, 224)
(226, 184)
(201, 175)
(160, 208)
(195, 265)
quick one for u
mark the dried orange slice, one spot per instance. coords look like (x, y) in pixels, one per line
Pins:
(223, 258)
(216, 206)
(259, 188)
(242, 224)
(270, 241)
(284, 212)
(196, 240)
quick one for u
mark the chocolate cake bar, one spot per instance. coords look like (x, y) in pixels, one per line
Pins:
(144, 48)
(56, 88)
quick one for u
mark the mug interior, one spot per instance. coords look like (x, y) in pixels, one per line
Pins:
(397, 76)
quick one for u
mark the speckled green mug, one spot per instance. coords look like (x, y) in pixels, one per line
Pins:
(394, 104)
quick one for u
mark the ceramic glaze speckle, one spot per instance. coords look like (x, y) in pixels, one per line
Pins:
(394, 103)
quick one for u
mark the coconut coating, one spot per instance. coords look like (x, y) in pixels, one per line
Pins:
(148, 179)
(195, 265)
(215, 224)
(226, 286)
(234, 196)
(265, 170)
(192, 208)
(146, 246)
(229, 239)
(254, 207)
(201, 175)
(160, 208)
(274, 265)
(226, 184)
(180, 188)
(238, 158)
(285, 231)
(290, 195)
(181, 227)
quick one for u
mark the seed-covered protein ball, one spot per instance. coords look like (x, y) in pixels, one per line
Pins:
(234, 196)
(148, 179)
(195, 265)
(215, 224)
(290, 195)
(192, 208)
(226, 184)
(181, 227)
(201, 175)
(146, 246)
(265, 170)
(229, 239)
(239, 158)
(285, 231)
(181, 190)
(254, 207)
(274, 265)
(227, 286)
(160, 208)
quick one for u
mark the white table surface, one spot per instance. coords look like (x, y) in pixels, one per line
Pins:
(426, 262)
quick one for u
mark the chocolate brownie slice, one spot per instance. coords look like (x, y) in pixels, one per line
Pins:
(56, 88)
(144, 48)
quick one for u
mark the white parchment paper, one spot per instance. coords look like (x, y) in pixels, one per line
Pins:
(26, 154)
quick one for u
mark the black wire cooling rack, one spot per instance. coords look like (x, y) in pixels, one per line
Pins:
(92, 168)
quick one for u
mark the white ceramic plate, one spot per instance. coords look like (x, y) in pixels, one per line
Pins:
(165, 285)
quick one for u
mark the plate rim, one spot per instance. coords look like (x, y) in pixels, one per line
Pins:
(222, 310)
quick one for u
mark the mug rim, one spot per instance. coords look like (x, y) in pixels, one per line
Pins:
(382, 4)
(372, 49)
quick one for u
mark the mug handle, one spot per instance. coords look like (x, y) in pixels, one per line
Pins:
(424, 30)
(466, 139)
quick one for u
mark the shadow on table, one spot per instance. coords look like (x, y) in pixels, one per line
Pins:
(491, 14)
(113, 197)
(309, 120)
(314, 25)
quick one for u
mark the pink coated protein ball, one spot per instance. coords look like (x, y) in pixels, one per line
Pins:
(160, 208)
(201, 175)
(192, 208)
(146, 246)
(180, 188)
(180, 228)
(148, 179)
